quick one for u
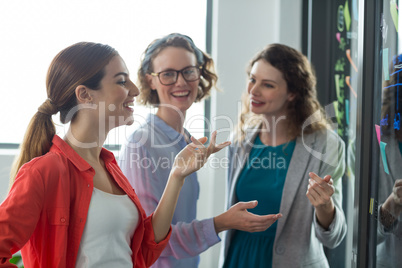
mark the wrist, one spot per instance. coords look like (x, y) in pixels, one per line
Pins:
(327, 208)
(218, 224)
(392, 207)
(177, 176)
(386, 218)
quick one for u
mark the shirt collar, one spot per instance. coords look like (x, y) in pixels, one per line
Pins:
(61, 146)
(171, 133)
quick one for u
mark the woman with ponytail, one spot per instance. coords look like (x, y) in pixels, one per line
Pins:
(69, 204)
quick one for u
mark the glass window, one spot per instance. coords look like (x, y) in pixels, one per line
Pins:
(389, 137)
(334, 53)
(344, 71)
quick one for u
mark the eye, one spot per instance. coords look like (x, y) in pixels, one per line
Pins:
(188, 71)
(122, 83)
(168, 74)
(251, 80)
(268, 85)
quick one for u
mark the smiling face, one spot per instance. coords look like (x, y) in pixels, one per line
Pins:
(116, 95)
(268, 90)
(181, 94)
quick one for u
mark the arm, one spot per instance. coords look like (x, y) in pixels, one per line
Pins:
(237, 217)
(190, 159)
(320, 193)
(19, 213)
(326, 194)
(188, 238)
(392, 207)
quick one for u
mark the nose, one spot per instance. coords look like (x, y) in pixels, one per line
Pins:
(133, 90)
(253, 89)
(180, 79)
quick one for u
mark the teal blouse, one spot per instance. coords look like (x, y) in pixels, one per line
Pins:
(261, 179)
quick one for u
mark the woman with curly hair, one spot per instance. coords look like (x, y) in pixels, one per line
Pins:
(174, 74)
(285, 157)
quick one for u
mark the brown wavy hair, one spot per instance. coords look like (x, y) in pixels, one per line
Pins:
(301, 82)
(80, 64)
(208, 76)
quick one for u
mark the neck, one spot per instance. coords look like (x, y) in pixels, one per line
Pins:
(86, 140)
(274, 131)
(172, 117)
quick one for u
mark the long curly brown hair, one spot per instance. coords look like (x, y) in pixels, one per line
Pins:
(208, 76)
(301, 82)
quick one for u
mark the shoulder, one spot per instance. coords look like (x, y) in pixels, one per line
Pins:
(49, 160)
(141, 136)
(327, 138)
(50, 165)
(141, 131)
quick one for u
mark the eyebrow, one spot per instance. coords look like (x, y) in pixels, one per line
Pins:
(121, 73)
(171, 69)
(265, 80)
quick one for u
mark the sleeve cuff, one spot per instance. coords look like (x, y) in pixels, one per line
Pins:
(149, 236)
(211, 236)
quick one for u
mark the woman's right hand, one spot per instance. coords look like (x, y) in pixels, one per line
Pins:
(393, 204)
(397, 192)
(195, 155)
(237, 217)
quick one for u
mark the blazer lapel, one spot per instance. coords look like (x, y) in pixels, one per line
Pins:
(294, 176)
(243, 152)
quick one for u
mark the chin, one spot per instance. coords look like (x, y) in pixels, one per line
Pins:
(129, 121)
(124, 121)
(256, 111)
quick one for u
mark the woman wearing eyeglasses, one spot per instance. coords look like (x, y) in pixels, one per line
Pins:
(173, 75)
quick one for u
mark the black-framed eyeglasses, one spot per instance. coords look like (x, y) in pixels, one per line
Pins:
(190, 74)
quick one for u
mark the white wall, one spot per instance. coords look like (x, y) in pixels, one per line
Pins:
(5, 165)
(240, 29)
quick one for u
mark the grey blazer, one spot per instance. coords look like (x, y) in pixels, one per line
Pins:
(299, 238)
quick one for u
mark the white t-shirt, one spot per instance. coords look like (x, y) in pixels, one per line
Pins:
(106, 240)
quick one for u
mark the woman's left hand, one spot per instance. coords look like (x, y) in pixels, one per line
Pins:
(320, 191)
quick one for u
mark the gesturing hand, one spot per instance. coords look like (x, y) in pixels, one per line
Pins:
(397, 192)
(320, 190)
(393, 204)
(195, 155)
(237, 217)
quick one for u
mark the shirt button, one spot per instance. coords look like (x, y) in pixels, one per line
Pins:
(280, 250)
(63, 220)
(81, 220)
(88, 185)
